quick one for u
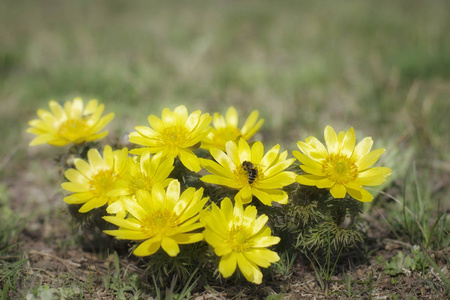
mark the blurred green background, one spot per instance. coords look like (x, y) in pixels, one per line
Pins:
(380, 66)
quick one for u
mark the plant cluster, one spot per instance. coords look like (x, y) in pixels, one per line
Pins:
(195, 195)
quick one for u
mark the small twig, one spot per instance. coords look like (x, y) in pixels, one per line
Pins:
(28, 263)
(399, 242)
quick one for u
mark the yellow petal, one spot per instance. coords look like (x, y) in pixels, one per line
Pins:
(215, 168)
(181, 114)
(190, 160)
(249, 269)
(251, 120)
(95, 160)
(312, 169)
(313, 148)
(348, 144)
(218, 121)
(373, 176)
(57, 110)
(94, 203)
(148, 247)
(267, 196)
(257, 152)
(262, 257)
(247, 134)
(215, 179)
(278, 181)
(338, 191)
(168, 118)
(266, 241)
(75, 187)
(147, 132)
(173, 191)
(223, 159)
(360, 195)
(227, 264)
(244, 195)
(368, 160)
(188, 238)
(231, 117)
(270, 157)
(122, 223)
(244, 151)
(135, 209)
(84, 167)
(331, 140)
(170, 246)
(277, 168)
(310, 180)
(362, 149)
(75, 176)
(324, 183)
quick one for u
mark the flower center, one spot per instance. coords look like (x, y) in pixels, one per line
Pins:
(174, 136)
(248, 173)
(162, 222)
(239, 239)
(340, 169)
(140, 182)
(73, 129)
(102, 182)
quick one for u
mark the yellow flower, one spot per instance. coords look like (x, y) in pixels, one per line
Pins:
(226, 129)
(72, 124)
(161, 219)
(341, 167)
(91, 182)
(240, 239)
(142, 173)
(251, 172)
(176, 134)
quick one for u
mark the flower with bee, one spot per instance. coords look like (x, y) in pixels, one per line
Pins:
(250, 171)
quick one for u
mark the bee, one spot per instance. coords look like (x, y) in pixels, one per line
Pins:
(252, 171)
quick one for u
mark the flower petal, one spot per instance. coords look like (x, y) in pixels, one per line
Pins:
(249, 269)
(227, 264)
(368, 160)
(338, 191)
(331, 140)
(148, 247)
(170, 246)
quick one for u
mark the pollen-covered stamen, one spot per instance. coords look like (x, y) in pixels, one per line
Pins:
(174, 136)
(340, 169)
(102, 182)
(73, 129)
(162, 222)
(140, 182)
(239, 239)
(248, 174)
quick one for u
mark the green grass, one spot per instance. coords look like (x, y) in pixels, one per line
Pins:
(382, 67)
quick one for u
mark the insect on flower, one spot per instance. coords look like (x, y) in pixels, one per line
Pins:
(251, 170)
